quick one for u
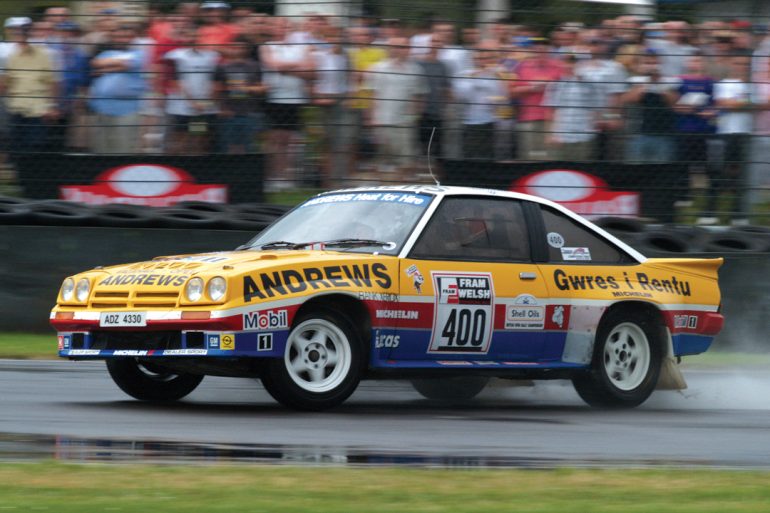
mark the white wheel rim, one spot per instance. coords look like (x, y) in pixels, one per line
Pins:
(627, 356)
(317, 356)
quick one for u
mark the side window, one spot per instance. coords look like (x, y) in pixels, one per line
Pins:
(480, 229)
(571, 242)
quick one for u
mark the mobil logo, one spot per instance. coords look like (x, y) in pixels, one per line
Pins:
(266, 320)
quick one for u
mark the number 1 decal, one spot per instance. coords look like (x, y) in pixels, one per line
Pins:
(464, 313)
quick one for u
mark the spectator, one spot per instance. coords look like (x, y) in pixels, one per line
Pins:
(534, 74)
(362, 55)
(115, 94)
(674, 48)
(695, 114)
(190, 102)
(330, 90)
(29, 86)
(648, 110)
(75, 71)
(437, 77)
(216, 31)
(98, 39)
(734, 124)
(398, 91)
(239, 86)
(719, 54)
(577, 102)
(287, 68)
(609, 76)
(483, 91)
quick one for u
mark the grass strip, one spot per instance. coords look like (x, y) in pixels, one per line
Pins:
(79, 488)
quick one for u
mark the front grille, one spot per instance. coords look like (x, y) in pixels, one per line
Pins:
(157, 340)
(102, 300)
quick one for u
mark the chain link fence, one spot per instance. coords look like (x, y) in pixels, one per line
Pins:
(661, 113)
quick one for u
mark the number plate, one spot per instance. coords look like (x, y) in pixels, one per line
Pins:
(122, 319)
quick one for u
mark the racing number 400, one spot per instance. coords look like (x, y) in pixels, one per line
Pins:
(465, 327)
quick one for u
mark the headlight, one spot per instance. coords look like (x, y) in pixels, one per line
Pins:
(67, 288)
(82, 290)
(217, 288)
(194, 289)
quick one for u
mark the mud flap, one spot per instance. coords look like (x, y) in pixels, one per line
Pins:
(671, 377)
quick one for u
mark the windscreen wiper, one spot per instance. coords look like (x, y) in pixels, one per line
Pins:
(358, 243)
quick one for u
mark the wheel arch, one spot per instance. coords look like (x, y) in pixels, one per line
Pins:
(651, 310)
(349, 306)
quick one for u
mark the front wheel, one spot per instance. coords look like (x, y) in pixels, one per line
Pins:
(626, 363)
(149, 382)
(322, 364)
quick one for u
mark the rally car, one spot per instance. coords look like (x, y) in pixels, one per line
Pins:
(446, 286)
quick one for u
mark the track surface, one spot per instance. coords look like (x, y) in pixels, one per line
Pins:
(721, 420)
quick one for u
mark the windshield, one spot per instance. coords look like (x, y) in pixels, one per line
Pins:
(356, 221)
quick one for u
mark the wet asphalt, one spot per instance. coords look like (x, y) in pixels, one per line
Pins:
(73, 411)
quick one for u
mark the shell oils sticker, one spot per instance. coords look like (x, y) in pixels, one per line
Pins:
(525, 314)
(463, 313)
(227, 342)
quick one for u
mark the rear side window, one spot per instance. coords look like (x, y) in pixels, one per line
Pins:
(476, 229)
(570, 242)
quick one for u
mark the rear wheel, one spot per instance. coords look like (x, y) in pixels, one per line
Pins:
(450, 389)
(322, 365)
(151, 382)
(626, 363)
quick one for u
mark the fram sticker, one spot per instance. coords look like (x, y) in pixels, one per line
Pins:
(464, 313)
(575, 254)
(555, 240)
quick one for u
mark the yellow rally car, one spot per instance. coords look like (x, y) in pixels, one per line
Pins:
(446, 286)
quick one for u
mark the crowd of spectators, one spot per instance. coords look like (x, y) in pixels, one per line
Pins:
(207, 78)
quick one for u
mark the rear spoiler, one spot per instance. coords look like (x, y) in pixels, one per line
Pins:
(706, 267)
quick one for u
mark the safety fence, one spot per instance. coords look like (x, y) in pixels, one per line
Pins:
(662, 114)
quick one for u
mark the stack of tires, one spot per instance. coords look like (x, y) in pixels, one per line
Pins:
(192, 214)
(680, 240)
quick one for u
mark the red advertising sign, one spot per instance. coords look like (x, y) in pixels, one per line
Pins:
(151, 185)
(583, 193)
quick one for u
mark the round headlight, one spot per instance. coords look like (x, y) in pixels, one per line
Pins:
(217, 288)
(82, 290)
(194, 289)
(67, 288)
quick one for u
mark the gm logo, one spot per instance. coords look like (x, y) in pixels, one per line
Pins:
(213, 341)
(267, 320)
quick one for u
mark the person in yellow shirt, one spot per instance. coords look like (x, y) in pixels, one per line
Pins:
(362, 56)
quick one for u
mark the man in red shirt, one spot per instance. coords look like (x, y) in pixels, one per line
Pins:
(216, 31)
(534, 74)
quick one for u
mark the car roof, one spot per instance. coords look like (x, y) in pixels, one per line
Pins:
(454, 190)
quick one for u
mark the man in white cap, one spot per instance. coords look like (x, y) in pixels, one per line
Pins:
(12, 36)
(216, 31)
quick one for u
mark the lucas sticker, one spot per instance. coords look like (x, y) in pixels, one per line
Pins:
(575, 254)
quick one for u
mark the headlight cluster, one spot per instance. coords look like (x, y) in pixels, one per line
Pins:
(76, 292)
(216, 289)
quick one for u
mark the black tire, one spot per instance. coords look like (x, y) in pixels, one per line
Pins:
(148, 382)
(335, 339)
(125, 216)
(451, 389)
(633, 333)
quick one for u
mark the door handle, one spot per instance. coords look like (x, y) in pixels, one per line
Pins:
(527, 276)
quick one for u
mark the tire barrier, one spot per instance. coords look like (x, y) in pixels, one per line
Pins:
(734, 241)
(192, 214)
(663, 241)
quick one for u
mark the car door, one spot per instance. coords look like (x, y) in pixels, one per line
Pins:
(469, 288)
(584, 273)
